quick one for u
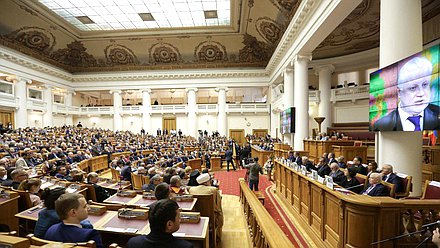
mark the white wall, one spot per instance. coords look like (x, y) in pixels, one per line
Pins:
(104, 122)
(35, 119)
(182, 123)
(346, 112)
(256, 122)
(59, 120)
(207, 122)
(132, 123)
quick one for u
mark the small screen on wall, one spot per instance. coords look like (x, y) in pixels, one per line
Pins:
(287, 124)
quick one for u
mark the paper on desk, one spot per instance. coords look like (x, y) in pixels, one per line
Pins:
(115, 229)
(176, 234)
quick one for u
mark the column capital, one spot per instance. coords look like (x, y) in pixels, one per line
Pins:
(148, 90)
(16, 79)
(221, 88)
(115, 92)
(191, 89)
(328, 67)
(47, 86)
(70, 91)
(307, 57)
(288, 69)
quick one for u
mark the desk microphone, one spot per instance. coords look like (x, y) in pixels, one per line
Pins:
(356, 186)
(431, 224)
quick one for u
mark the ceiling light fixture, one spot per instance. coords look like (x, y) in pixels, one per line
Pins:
(211, 14)
(146, 17)
(85, 19)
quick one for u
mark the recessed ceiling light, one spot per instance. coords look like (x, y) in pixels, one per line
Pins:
(85, 19)
(146, 17)
(210, 14)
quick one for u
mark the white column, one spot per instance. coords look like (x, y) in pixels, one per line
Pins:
(20, 90)
(403, 150)
(68, 103)
(48, 99)
(117, 104)
(222, 122)
(288, 100)
(301, 99)
(146, 111)
(325, 107)
(192, 108)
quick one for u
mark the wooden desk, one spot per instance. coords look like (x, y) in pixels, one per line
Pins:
(216, 163)
(114, 186)
(261, 154)
(9, 207)
(195, 163)
(138, 200)
(349, 152)
(335, 219)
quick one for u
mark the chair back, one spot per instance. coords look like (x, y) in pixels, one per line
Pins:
(24, 201)
(109, 206)
(40, 242)
(406, 185)
(431, 190)
(358, 143)
(391, 188)
(145, 180)
(91, 193)
(136, 181)
(115, 174)
(362, 179)
(205, 205)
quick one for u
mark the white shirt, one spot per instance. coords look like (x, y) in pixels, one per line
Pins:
(407, 125)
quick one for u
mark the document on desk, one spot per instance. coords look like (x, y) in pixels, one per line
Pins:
(177, 235)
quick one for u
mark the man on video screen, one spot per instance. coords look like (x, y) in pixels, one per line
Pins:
(414, 112)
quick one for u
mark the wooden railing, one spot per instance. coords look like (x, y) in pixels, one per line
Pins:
(335, 219)
(264, 231)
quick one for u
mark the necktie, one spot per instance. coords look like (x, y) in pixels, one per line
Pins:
(416, 121)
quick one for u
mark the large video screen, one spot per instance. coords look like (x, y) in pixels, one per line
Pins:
(404, 96)
(287, 124)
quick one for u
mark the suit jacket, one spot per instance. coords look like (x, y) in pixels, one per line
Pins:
(392, 122)
(337, 176)
(72, 234)
(228, 155)
(202, 190)
(394, 179)
(361, 169)
(158, 240)
(378, 190)
(324, 170)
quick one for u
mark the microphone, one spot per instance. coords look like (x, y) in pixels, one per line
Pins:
(431, 224)
(356, 186)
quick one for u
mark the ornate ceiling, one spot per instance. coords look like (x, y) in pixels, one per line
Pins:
(256, 28)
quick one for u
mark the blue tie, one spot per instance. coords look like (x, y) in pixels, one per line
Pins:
(416, 121)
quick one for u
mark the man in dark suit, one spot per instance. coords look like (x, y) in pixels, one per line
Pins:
(357, 163)
(164, 218)
(158, 132)
(375, 188)
(336, 173)
(391, 177)
(414, 113)
(229, 159)
(72, 209)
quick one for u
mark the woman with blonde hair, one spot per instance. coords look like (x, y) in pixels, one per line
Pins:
(33, 186)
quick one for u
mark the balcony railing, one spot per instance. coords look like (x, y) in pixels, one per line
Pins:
(314, 96)
(34, 104)
(8, 100)
(173, 109)
(350, 93)
(248, 108)
(131, 109)
(207, 108)
(96, 110)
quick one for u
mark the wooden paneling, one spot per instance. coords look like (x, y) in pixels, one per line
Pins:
(259, 132)
(6, 117)
(237, 135)
(169, 123)
(349, 152)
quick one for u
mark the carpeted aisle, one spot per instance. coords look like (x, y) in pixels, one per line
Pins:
(229, 186)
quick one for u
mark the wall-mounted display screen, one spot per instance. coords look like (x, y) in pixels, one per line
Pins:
(287, 123)
(404, 96)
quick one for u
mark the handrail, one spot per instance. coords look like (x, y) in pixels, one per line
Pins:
(261, 221)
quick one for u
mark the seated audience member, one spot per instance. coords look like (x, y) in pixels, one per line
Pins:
(154, 181)
(101, 193)
(336, 173)
(322, 167)
(3, 176)
(391, 177)
(372, 167)
(350, 181)
(164, 218)
(307, 163)
(169, 172)
(72, 209)
(48, 216)
(62, 172)
(204, 181)
(357, 163)
(175, 185)
(193, 178)
(33, 186)
(341, 162)
(298, 158)
(162, 191)
(18, 176)
(126, 172)
(375, 188)
(76, 175)
(331, 158)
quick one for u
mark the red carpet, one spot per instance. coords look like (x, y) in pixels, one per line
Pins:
(229, 186)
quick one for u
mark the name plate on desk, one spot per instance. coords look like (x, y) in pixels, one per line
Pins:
(136, 214)
(189, 217)
(149, 196)
(183, 198)
(127, 193)
(329, 182)
(97, 210)
(303, 170)
(321, 179)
